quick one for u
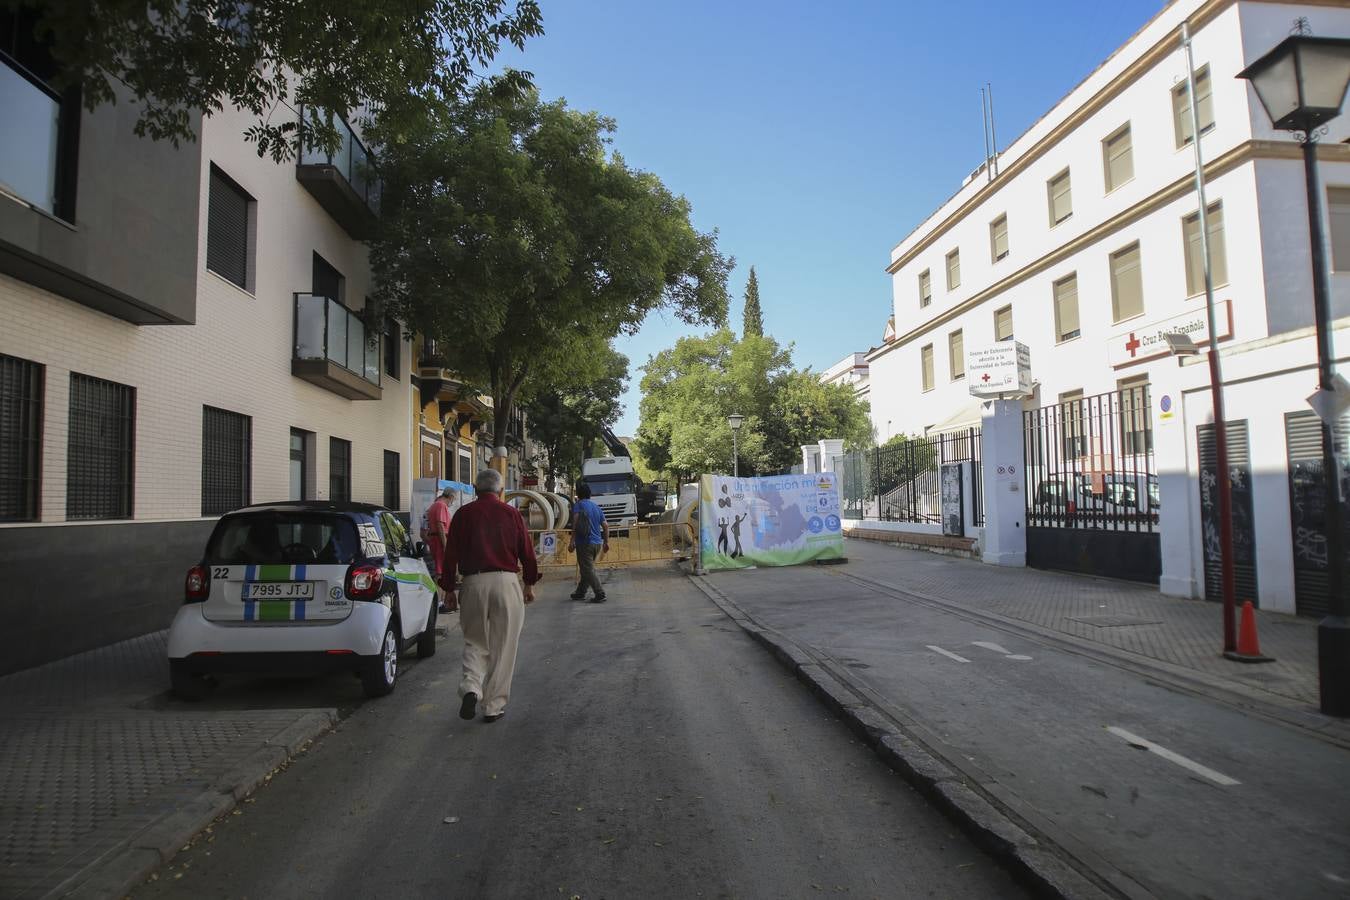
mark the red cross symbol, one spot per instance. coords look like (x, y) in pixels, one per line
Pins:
(985, 377)
(1132, 344)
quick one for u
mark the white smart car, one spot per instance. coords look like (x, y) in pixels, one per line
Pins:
(300, 588)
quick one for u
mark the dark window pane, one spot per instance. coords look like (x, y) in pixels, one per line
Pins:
(326, 281)
(227, 230)
(20, 438)
(339, 470)
(227, 460)
(391, 487)
(99, 459)
(283, 537)
(393, 347)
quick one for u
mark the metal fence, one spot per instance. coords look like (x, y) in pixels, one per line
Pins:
(656, 542)
(901, 482)
(1089, 463)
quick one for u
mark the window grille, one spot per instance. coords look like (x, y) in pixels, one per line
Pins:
(227, 460)
(101, 443)
(21, 385)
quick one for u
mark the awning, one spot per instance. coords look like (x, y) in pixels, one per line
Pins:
(971, 415)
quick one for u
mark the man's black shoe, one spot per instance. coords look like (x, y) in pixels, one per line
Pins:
(469, 707)
(581, 596)
(488, 720)
(599, 598)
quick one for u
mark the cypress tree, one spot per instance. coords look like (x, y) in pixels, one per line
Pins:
(752, 320)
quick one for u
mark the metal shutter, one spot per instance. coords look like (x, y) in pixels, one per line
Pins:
(227, 230)
(20, 438)
(101, 442)
(1308, 510)
(1244, 526)
(227, 460)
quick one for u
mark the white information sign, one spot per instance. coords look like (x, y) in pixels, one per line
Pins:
(1001, 370)
(1146, 341)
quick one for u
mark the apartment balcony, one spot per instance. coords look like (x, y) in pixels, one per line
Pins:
(344, 182)
(334, 349)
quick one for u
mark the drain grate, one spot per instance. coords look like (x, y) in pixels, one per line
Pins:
(1114, 621)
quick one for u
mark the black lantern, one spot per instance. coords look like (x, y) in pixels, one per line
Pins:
(1302, 82)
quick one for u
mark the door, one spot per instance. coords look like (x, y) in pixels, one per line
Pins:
(1244, 526)
(416, 589)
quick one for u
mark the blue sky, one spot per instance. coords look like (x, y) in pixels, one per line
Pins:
(814, 136)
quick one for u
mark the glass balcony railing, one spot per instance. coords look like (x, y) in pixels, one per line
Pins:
(352, 160)
(327, 330)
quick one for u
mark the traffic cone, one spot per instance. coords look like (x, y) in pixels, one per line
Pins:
(1248, 647)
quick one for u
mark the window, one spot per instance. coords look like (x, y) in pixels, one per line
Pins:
(926, 364)
(466, 472)
(392, 494)
(998, 238)
(956, 354)
(1066, 309)
(302, 452)
(1181, 107)
(99, 455)
(1118, 159)
(925, 288)
(339, 470)
(1195, 257)
(393, 348)
(1073, 424)
(1136, 433)
(40, 141)
(1338, 201)
(954, 269)
(21, 385)
(1061, 198)
(1003, 326)
(227, 230)
(227, 460)
(327, 281)
(1127, 285)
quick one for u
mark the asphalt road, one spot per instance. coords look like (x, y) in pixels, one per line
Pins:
(650, 750)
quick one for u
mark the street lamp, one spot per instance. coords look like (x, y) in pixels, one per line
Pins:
(735, 420)
(1302, 84)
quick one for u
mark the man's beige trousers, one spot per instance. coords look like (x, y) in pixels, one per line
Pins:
(491, 613)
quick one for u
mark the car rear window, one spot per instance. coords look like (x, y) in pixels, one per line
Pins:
(283, 538)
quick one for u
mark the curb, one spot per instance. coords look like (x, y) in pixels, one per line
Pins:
(115, 873)
(1032, 859)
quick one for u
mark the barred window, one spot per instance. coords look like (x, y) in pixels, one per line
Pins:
(21, 384)
(391, 490)
(101, 443)
(339, 470)
(227, 460)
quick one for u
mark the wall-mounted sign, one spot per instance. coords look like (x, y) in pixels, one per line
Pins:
(1146, 341)
(1001, 370)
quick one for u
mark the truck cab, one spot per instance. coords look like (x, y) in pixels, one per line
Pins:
(614, 488)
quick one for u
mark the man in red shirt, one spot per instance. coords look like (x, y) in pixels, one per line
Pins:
(487, 544)
(434, 534)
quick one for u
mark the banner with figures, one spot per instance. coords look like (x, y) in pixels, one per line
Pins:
(782, 520)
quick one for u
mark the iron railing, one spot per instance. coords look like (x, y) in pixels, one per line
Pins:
(1089, 463)
(901, 482)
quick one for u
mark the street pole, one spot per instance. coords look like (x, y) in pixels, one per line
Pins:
(1215, 375)
(1333, 632)
(735, 457)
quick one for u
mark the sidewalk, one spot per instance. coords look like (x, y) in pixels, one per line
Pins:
(103, 776)
(1086, 731)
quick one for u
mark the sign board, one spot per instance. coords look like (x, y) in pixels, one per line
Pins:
(548, 544)
(783, 520)
(1167, 409)
(1001, 370)
(1146, 341)
(953, 501)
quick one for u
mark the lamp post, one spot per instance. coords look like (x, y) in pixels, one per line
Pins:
(735, 420)
(1302, 84)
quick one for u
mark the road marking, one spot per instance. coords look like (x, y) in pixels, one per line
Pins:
(1017, 656)
(989, 646)
(1136, 741)
(947, 653)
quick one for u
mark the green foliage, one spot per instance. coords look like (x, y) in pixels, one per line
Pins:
(513, 237)
(565, 419)
(752, 317)
(178, 57)
(690, 389)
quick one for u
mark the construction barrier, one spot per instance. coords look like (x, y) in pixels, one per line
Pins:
(655, 542)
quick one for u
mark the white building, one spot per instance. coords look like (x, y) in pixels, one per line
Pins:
(183, 334)
(852, 370)
(1085, 247)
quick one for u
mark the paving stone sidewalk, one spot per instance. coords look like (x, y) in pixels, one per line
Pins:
(1132, 618)
(102, 776)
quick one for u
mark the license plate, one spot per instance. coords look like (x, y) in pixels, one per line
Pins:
(280, 590)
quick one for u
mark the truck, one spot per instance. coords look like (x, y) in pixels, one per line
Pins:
(614, 488)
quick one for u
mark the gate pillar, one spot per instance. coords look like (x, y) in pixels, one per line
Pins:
(1177, 486)
(1005, 507)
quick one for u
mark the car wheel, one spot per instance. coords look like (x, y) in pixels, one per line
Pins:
(380, 672)
(426, 641)
(188, 685)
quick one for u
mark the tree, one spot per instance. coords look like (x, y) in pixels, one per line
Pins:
(752, 318)
(565, 420)
(805, 410)
(178, 57)
(518, 241)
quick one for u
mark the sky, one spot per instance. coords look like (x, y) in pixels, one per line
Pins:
(813, 136)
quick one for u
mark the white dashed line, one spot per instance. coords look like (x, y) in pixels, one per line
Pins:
(990, 646)
(1136, 741)
(947, 653)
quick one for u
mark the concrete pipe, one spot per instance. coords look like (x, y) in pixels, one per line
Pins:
(537, 499)
(687, 514)
(563, 506)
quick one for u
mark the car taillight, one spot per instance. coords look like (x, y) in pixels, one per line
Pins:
(365, 582)
(198, 584)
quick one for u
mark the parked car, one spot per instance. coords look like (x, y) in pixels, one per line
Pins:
(303, 588)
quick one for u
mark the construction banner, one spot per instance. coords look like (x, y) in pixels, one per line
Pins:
(782, 520)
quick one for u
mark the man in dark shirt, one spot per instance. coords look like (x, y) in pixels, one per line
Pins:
(487, 544)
